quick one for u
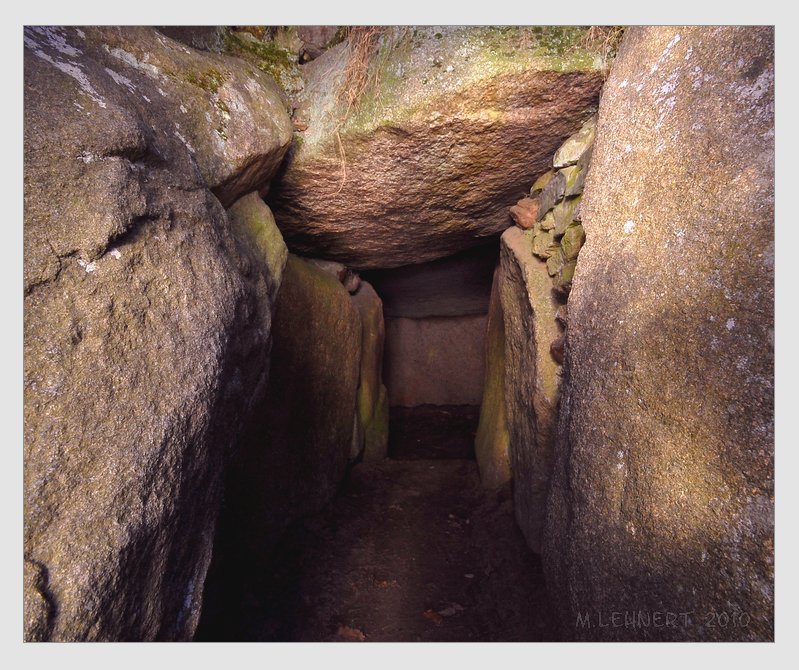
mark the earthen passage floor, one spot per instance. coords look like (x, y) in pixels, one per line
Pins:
(409, 551)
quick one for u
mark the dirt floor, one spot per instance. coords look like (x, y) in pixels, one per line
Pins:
(410, 550)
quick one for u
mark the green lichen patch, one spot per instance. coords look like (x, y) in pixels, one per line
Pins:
(573, 148)
(268, 56)
(548, 222)
(416, 71)
(376, 429)
(254, 225)
(541, 182)
(572, 241)
(543, 243)
(209, 79)
(564, 214)
(555, 263)
(566, 273)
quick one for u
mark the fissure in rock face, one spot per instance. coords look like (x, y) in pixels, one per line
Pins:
(398, 334)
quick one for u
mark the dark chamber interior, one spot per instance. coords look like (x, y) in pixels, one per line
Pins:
(435, 316)
(412, 548)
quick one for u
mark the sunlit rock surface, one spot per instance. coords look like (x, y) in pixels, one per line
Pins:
(532, 377)
(147, 322)
(454, 127)
(662, 499)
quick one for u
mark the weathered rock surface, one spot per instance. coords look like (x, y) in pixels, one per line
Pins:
(532, 380)
(315, 40)
(372, 395)
(573, 149)
(296, 448)
(428, 161)
(254, 227)
(146, 326)
(491, 440)
(662, 495)
(229, 115)
(525, 213)
(348, 279)
(435, 361)
(205, 38)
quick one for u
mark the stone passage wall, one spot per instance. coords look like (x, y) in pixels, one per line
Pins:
(491, 440)
(324, 405)
(371, 434)
(435, 361)
(298, 445)
(147, 320)
(662, 497)
(515, 439)
(435, 328)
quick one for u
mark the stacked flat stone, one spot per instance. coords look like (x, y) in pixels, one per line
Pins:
(558, 233)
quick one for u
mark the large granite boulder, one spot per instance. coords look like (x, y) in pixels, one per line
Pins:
(147, 324)
(453, 126)
(661, 512)
(532, 377)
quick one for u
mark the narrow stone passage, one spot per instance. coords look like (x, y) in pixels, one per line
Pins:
(297, 368)
(410, 550)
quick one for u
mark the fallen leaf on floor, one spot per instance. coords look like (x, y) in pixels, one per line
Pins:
(434, 616)
(350, 634)
(452, 610)
(385, 583)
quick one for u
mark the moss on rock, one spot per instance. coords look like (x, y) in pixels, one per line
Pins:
(254, 225)
(270, 56)
(463, 121)
(376, 429)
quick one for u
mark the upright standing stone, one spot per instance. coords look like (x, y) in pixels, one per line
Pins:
(147, 321)
(531, 377)
(662, 500)
(298, 445)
